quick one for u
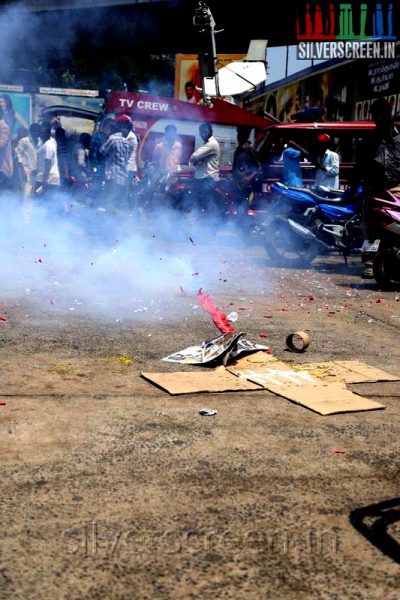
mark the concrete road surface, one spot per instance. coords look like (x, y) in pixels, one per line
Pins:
(112, 489)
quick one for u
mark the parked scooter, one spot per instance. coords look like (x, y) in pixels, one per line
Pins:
(305, 223)
(385, 213)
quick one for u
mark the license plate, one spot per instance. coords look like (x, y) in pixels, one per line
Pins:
(370, 246)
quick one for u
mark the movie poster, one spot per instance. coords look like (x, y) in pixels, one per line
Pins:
(188, 81)
(17, 110)
(340, 93)
(80, 118)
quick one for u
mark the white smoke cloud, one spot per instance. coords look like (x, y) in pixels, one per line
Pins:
(85, 259)
(112, 265)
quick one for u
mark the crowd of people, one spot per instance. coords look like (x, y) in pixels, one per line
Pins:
(43, 159)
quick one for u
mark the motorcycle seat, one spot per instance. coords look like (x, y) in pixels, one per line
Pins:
(330, 198)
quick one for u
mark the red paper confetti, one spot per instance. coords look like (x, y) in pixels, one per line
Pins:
(337, 451)
(263, 335)
(219, 318)
(3, 404)
(3, 319)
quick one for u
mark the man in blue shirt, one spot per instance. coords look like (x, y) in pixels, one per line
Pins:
(291, 157)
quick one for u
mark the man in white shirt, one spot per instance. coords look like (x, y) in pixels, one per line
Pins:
(26, 154)
(48, 174)
(206, 162)
(206, 158)
(327, 163)
(6, 162)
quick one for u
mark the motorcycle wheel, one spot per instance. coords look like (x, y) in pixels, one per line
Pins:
(382, 270)
(285, 248)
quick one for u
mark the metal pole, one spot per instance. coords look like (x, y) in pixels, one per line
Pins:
(287, 61)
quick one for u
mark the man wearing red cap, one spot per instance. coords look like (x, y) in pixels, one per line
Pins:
(327, 163)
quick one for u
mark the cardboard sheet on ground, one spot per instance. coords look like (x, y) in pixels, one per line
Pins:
(303, 385)
(325, 398)
(216, 380)
(349, 371)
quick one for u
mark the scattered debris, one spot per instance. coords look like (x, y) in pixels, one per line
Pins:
(65, 369)
(298, 341)
(125, 360)
(232, 317)
(321, 371)
(207, 412)
(219, 318)
(219, 350)
(337, 451)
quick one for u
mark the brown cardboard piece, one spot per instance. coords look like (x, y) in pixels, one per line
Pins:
(326, 395)
(354, 371)
(321, 387)
(325, 398)
(194, 382)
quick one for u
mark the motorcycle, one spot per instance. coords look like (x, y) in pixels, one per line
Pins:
(385, 212)
(180, 192)
(303, 224)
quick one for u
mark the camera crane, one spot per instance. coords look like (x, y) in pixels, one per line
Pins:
(234, 79)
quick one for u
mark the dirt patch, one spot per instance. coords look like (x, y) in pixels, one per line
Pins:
(113, 489)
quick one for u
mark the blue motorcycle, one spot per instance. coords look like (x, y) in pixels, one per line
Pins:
(303, 224)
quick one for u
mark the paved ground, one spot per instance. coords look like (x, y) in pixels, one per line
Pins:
(112, 489)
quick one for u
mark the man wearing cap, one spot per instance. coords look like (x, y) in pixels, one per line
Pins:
(327, 163)
(117, 151)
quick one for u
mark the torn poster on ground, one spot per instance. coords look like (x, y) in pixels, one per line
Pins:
(219, 350)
